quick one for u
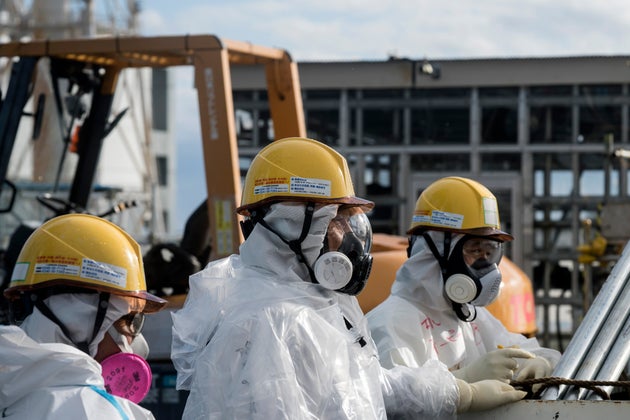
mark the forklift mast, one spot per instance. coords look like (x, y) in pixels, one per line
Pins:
(210, 56)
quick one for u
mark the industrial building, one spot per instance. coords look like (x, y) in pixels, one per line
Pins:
(546, 135)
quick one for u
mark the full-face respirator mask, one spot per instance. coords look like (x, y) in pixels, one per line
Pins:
(471, 272)
(344, 262)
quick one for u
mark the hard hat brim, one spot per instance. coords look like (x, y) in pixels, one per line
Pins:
(139, 300)
(485, 232)
(152, 302)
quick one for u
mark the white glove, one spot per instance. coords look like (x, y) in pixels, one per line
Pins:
(497, 364)
(484, 395)
(538, 367)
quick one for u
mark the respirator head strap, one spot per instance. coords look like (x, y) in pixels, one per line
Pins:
(442, 259)
(296, 244)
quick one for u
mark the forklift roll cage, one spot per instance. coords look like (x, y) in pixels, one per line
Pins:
(210, 57)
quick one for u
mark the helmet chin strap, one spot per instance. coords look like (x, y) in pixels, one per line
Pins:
(103, 303)
(464, 311)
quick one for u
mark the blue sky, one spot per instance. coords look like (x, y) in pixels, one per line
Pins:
(374, 29)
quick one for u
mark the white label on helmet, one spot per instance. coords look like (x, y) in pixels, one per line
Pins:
(104, 273)
(56, 268)
(490, 211)
(20, 271)
(310, 186)
(271, 188)
(421, 218)
(442, 218)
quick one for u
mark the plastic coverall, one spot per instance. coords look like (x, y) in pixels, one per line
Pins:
(53, 380)
(256, 339)
(416, 323)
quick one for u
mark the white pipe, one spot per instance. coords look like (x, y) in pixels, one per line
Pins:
(588, 328)
(616, 361)
(598, 352)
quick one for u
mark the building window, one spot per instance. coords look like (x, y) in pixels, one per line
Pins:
(500, 162)
(378, 173)
(253, 127)
(597, 121)
(323, 125)
(166, 216)
(265, 128)
(242, 95)
(552, 90)
(499, 92)
(159, 99)
(600, 90)
(553, 175)
(162, 170)
(443, 162)
(244, 120)
(499, 124)
(322, 94)
(382, 127)
(550, 124)
(463, 93)
(379, 178)
(382, 93)
(552, 229)
(440, 125)
(592, 176)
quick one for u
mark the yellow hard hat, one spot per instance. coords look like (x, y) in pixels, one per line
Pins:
(80, 251)
(298, 169)
(459, 205)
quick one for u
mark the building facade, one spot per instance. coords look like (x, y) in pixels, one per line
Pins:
(546, 135)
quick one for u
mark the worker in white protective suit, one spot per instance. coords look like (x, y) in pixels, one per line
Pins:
(277, 333)
(436, 310)
(78, 295)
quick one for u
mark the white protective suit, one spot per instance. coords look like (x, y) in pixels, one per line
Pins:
(43, 377)
(255, 339)
(416, 323)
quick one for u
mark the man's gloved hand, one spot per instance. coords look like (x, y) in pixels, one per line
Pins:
(538, 367)
(485, 395)
(497, 364)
